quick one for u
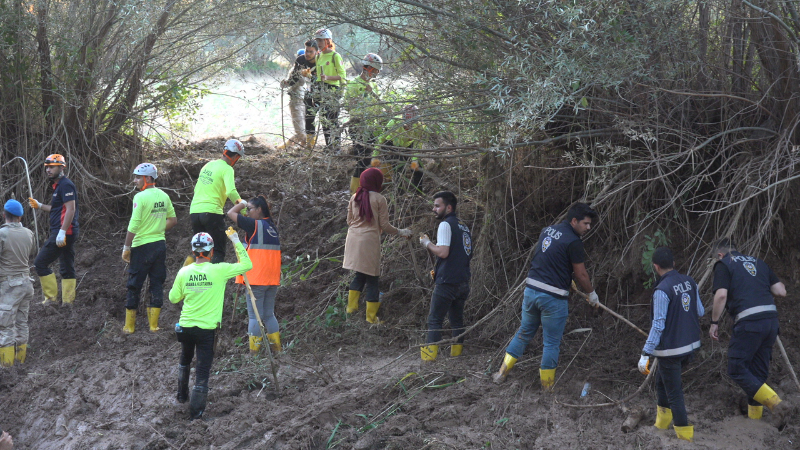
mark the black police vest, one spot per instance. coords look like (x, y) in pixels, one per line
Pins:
(749, 297)
(455, 268)
(551, 269)
(681, 333)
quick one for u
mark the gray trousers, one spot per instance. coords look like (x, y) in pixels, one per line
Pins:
(265, 302)
(16, 294)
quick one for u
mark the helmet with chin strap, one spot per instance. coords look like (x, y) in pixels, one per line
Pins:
(147, 170)
(202, 242)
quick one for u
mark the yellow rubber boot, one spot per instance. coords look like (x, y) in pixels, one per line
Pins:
(352, 301)
(372, 312)
(767, 397)
(455, 349)
(663, 418)
(755, 412)
(508, 363)
(429, 352)
(152, 317)
(275, 341)
(255, 344)
(67, 291)
(189, 260)
(686, 433)
(355, 183)
(22, 353)
(130, 321)
(49, 287)
(7, 356)
(548, 377)
(311, 141)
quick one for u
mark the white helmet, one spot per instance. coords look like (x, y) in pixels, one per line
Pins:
(372, 60)
(202, 242)
(147, 170)
(410, 112)
(235, 146)
(323, 33)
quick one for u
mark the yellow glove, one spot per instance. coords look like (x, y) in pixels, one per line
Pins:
(414, 165)
(34, 203)
(232, 235)
(126, 253)
(375, 162)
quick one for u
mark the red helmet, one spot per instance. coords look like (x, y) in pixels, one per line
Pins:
(55, 160)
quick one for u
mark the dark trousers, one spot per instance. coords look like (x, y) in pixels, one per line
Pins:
(368, 284)
(363, 142)
(50, 252)
(311, 111)
(213, 224)
(148, 260)
(326, 102)
(202, 341)
(447, 300)
(669, 387)
(750, 352)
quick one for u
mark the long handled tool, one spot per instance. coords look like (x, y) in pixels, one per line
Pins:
(30, 192)
(264, 338)
(612, 312)
(786, 360)
(420, 278)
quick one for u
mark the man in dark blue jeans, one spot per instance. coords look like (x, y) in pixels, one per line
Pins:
(559, 254)
(453, 250)
(674, 336)
(746, 286)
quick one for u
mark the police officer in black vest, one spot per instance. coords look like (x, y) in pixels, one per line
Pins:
(559, 254)
(453, 250)
(745, 285)
(674, 335)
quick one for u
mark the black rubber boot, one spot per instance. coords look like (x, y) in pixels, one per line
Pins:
(197, 404)
(183, 383)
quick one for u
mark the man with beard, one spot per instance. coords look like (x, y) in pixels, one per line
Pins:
(63, 211)
(559, 255)
(453, 250)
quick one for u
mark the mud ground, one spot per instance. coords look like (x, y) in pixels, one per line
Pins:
(342, 383)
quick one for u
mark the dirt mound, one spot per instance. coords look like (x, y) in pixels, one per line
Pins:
(343, 383)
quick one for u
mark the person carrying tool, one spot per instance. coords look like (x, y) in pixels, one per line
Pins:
(367, 219)
(264, 248)
(64, 229)
(201, 287)
(674, 336)
(214, 185)
(362, 98)
(406, 132)
(453, 250)
(559, 254)
(331, 76)
(16, 289)
(296, 84)
(746, 286)
(145, 248)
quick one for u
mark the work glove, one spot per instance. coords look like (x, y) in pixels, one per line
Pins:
(126, 253)
(644, 364)
(232, 235)
(414, 165)
(404, 232)
(593, 299)
(284, 84)
(61, 239)
(375, 162)
(244, 210)
(34, 203)
(424, 240)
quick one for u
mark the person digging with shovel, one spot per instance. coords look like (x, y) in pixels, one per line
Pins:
(201, 287)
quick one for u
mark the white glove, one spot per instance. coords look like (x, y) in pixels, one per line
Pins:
(232, 235)
(126, 253)
(644, 363)
(61, 239)
(404, 232)
(424, 240)
(593, 299)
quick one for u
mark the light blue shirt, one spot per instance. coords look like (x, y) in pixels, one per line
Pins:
(660, 305)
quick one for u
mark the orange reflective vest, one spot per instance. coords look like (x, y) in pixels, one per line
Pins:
(264, 250)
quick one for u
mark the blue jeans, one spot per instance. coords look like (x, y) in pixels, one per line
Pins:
(551, 313)
(265, 302)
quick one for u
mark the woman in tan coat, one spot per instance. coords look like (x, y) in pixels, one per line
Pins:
(367, 218)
